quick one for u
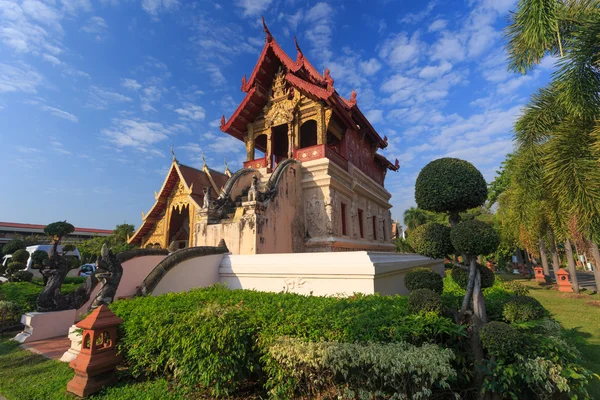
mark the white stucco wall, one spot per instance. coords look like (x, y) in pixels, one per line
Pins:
(195, 273)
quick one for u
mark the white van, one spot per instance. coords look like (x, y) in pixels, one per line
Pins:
(46, 248)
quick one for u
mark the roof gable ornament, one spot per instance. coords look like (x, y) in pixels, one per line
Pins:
(269, 37)
(244, 84)
(299, 54)
(328, 78)
(173, 153)
(352, 101)
(222, 121)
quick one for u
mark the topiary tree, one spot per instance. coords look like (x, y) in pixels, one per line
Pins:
(523, 309)
(424, 300)
(450, 185)
(431, 240)
(14, 270)
(474, 238)
(501, 340)
(12, 246)
(424, 278)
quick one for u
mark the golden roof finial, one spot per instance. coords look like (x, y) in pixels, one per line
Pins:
(227, 171)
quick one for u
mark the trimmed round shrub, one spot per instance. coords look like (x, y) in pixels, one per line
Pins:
(523, 309)
(424, 300)
(474, 238)
(500, 339)
(59, 229)
(516, 287)
(20, 256)
(9, 311)
(22, 276)
(431, 240)
(424, 278)
(12, 246)
(461, 276)
(450, 185)
(38, 257)
(14, 267)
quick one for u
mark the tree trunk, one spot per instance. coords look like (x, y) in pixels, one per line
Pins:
(544, 258)
(478, 300)
(470, 285)
(572, 268)
(596, 255)
(477, 322)
(555, 261)
(528, 265)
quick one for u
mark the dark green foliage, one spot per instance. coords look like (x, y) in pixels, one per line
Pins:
(10, 312)
(501, 339)
(461, 276)
(523, 309)
(117, 242)
(20, 256)
(516, 287)
(21, 276)
(25, 293)
(59, 229)
(474, 238)
(13, 267)
(450, 185)
(67, 248)
(402, 246)
(431, 240)
(37, 258)
(424, 300)
(159, 332)
(12, 246)
(424, 278)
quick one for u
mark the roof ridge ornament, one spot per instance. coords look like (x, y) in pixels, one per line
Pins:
(352, 100)
(299, 54)
(222, 121)
(173, 153)
(328, 78)
(244, 83)
(269, 37)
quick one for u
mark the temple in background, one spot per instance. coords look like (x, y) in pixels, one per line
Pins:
(313, 179)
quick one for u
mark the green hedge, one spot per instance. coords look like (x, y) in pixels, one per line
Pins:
(217, 338)
(424, 278)
(523, 309)
(424, 300)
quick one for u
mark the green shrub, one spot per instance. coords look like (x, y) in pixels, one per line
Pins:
(516, 288)
(12, 246)
(474, 238)
(431, 240)
(424, 278)
(523, 309)
(21, 276)
(461, 276)
(495, 299)
(355, 370)
(9, 312)
(450, 185)
(20, 256)
(501, 339)
(25, 293)
(424, 300)
(37, 258)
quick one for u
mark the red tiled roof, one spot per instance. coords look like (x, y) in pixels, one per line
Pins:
(36, 226)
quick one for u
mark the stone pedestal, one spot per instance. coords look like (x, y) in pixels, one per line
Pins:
(44, 325)
(253, 207)
(75, 337)
(209, 215)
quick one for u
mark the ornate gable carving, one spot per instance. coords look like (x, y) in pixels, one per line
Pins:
(280, 109)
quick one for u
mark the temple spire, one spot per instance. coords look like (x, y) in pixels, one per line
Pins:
(269, 37)
(173, 153)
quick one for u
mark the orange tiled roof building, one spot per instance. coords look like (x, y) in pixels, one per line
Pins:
(316, 184)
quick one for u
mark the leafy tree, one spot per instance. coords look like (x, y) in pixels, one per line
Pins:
(117, 242)
(431, 240)
(414, 217)
(501, 182)
(450, 185)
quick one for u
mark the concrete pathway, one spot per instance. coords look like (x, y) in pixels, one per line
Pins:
(52, 348)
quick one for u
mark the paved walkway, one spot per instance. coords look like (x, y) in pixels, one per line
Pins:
(52, 348)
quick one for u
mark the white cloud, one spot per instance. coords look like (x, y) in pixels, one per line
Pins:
(370, 66)
(138, 134)
(374, 116)
(51, 59)
(96, 26)
(432, 71)
(399, 50)
(21, 78)
(513, 84)
(130, 84)
(253, 8)
(413, 18)
(215, 123)
(320, 20)
(447, 48)
(101, 98)
(437, 25)
(60, 113)
(154, 7)
(191, 111)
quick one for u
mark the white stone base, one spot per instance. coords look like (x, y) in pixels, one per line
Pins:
(75, 336)
(324, 274)
(44, 325)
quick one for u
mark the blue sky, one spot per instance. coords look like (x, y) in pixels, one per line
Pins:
(94, 93)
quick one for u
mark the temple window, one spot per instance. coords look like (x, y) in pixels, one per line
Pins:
(360, 223)
(374, 222)
(344, 219)
(308, 134)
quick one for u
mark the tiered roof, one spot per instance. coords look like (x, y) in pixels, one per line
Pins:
(302, 75)
(192, 179)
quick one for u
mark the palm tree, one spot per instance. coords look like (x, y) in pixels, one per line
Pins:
(559, 129)
(414, 217)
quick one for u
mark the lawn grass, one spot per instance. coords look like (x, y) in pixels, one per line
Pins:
(28, 376)
(574, 313)
(25, 294)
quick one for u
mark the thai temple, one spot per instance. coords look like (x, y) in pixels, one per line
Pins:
(313, 180)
